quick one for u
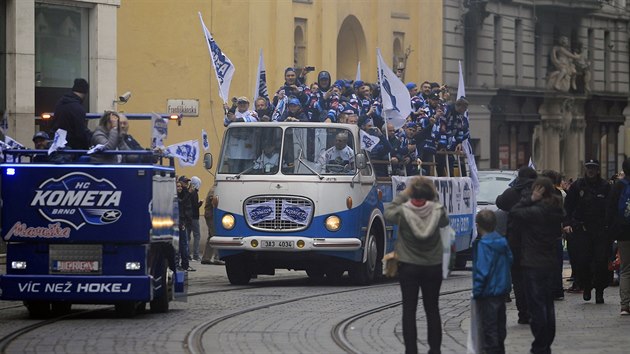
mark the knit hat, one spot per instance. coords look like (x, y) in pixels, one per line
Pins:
(41, 135)
(195, 182)
(81, 86)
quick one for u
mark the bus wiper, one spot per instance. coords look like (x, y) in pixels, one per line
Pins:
(238, 176)
(307, 166)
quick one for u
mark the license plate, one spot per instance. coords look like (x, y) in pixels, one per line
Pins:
(276, 244)
(75, 266)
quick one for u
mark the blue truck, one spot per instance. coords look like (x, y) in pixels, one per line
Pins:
(89, 233)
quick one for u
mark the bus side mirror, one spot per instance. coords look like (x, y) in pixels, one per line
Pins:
(207, 161)
(360, 161)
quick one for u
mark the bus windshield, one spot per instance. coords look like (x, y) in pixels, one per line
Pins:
(251, 150)
(308, 151)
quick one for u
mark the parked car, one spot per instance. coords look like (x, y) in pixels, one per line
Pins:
(491, 184)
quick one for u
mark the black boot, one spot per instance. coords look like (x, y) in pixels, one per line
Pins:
(586, 295)
(599, 296)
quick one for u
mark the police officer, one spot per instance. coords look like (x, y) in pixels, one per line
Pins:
(585, 206)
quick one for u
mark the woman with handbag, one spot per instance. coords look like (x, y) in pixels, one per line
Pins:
(419, 249)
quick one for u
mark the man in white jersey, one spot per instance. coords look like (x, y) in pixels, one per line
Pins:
(268, 161)
(338, 158)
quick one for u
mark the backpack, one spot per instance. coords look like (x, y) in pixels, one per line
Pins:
(623, 205)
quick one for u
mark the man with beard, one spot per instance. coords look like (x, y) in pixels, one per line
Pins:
(584, 225)
(520, 188)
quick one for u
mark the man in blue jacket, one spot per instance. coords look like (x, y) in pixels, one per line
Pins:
(492, 260)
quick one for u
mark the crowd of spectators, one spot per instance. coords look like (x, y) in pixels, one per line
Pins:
(428, 143)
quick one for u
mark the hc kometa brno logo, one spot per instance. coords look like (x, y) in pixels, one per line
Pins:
(78, 198)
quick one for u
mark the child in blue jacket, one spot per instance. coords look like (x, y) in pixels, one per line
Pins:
(492, 260)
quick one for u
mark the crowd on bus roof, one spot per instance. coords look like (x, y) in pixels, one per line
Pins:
(437, 122)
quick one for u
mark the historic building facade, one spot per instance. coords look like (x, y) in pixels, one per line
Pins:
(548, 79)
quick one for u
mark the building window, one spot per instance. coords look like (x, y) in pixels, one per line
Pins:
(61, 51)
(299, 47)
(538, 55)
(607, 51)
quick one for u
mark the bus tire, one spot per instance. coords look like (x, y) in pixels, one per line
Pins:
(38, 309)
(238, 272)
(160, 303)
(363, 273)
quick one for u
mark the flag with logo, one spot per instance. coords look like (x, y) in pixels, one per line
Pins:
(187, 152)
(394, 94)
(223, 67)
(204, 140)
(12, 143)
(260, 90)
(59, 141)
(470, 156)
(531, 163)
(259, 212)
(368, 142)
(159, 130)
(299, 214)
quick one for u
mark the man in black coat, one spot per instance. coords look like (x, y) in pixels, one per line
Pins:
(520, 188)
(584, 224)
(70, 116)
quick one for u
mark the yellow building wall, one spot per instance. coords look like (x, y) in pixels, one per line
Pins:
(162, 53)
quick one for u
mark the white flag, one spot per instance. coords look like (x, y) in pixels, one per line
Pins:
(394, 94)
(159, 130)
(186, 152)
(223, 67)
(358, 76)
(204, 140)
(531, 163)
(260, 89)
(59, 141)
(470, 157)
(368, 142)
(96, 148)
(12, 143)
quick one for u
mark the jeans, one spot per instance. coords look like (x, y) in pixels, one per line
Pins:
(624, 273)
(493, 323)
(538, 283)
(518, 286)
(558, 289)
(428, 278)
(196, 236)
(183, 247)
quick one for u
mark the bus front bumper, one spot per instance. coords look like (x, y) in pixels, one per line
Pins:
(284, 243)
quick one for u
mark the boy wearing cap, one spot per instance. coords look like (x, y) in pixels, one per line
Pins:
(585, 206)
(294, 112)
(70, 116)
(241, 114)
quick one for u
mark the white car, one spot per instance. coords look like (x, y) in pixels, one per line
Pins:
(492, 184)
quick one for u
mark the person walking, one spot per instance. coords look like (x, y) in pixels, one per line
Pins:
(585, 206)
(520, 187)
(185, 215)
(619, 227)
(195, 203)
(419, 247)
(492, 260)
(540, 218)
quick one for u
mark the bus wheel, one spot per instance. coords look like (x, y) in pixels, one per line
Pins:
(38, 309)
(60, 308)
(363, 273)
(160, 302)
(238, 272)
(126, 309)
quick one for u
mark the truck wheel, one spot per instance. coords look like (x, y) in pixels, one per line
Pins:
(238, 272)
(160, 302)
(60, 308)
(38, 309)
(363, 273)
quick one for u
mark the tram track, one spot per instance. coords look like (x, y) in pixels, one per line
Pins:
(340, 331)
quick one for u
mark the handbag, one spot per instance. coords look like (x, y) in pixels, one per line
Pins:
(391, 264)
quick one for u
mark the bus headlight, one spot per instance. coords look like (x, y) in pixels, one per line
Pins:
(333, 223)
(228, 221)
